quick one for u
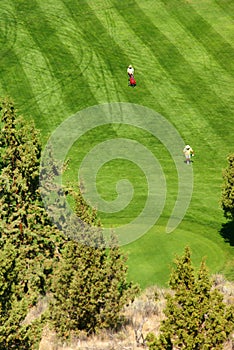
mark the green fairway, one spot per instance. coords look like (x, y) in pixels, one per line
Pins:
(59, 57)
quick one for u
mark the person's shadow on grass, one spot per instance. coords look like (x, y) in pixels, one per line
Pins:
(227, 232)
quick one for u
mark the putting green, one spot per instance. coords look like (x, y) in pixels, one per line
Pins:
(153, 254)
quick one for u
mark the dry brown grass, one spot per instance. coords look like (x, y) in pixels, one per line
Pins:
(141, 317)
(225, 287)
(37, 310)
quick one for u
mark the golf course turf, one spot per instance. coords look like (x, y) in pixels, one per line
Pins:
(59, 57)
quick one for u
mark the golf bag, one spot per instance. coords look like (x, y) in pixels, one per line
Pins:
(132, 81)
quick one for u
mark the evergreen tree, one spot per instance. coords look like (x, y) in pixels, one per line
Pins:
(89, 286)
(227, 200)
(52, 192)
(118, 291)
(83, 210)
(196, 317)
(28, 242)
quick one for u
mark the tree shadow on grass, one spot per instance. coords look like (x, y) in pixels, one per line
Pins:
(227, 232)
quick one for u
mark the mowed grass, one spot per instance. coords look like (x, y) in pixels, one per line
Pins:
(59, 57)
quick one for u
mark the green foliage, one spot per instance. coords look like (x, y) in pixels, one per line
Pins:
(20, 157)
(196, 316)
(82, 209)
(227, 200)
(89, 289)
(89, 285)
(28, 242)
(51, 190)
